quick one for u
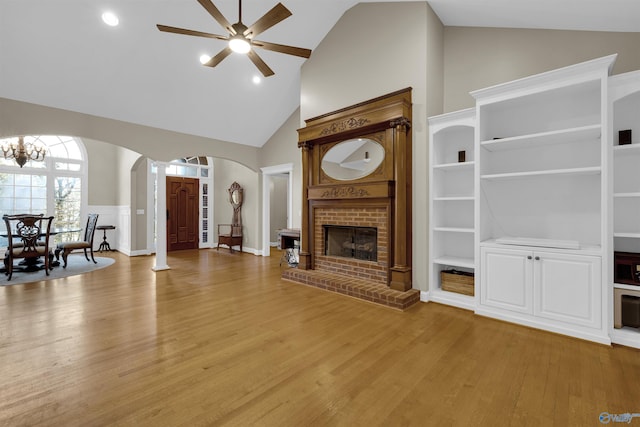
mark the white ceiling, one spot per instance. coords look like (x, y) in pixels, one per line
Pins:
(60, 54)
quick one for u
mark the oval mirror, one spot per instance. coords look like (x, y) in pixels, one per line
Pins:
(352, 159)
(235, 197)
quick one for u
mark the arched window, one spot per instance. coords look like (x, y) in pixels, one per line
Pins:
(55, 186)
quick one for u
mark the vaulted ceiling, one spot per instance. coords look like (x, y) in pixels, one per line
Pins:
(60, 54)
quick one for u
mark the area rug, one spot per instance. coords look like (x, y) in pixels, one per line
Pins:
(76, 264)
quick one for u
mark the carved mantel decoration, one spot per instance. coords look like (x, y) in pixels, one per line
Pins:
(358, 160)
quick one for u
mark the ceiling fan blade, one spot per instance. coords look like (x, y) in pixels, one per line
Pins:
(219, 57)
(217, 15)
(278, 13)
(262, 66)
(289, 50)
(176, 30)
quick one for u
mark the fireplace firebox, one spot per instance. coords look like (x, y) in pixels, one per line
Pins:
(351, 242)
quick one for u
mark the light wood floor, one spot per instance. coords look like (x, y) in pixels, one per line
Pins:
(220, 339)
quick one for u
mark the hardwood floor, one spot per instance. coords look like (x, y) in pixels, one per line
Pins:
(220, 339)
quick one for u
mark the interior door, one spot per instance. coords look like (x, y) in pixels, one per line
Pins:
(182, 213)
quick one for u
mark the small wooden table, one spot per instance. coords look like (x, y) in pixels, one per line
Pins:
(104, 246)
(289, 240)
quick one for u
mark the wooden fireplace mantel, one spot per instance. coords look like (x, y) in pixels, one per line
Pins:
(387, 121)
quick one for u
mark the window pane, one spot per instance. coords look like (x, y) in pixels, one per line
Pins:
(22, 206)
(39, 206)
(39, 180)
(23, 180)
(24, 192)
(67, 202)
(58, 151)
(74, 150)
(39, 193)
(6, 204)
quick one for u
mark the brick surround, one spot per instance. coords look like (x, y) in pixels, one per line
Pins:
(377, 217)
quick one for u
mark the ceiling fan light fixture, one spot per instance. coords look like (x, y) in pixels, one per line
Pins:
(239, 44)
(110, 18)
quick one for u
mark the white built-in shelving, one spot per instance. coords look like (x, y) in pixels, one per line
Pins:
(542, 171)
(545, 166)
(624, 95)
(452, 216)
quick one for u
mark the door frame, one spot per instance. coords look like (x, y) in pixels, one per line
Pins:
(267, 173)
(197, 207)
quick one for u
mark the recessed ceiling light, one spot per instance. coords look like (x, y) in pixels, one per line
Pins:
(204, 58)
(257, 79)
(110, 19)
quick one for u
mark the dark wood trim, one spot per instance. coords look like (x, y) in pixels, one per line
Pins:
(367, 190)
(387, 120)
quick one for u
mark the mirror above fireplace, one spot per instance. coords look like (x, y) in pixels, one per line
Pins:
(352, 159)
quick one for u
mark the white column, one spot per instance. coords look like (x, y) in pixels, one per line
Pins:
(161, 218)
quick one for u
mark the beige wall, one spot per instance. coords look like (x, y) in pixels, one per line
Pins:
(476, 58)
(282, 148)
(278, 205)
(139, 177)
(225, 173)
(101, 177)
(21, 118)
(375, 49)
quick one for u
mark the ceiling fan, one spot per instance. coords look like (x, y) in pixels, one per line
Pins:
(241, 38)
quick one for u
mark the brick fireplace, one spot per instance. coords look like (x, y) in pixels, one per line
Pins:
(374, 271)
(356, 225)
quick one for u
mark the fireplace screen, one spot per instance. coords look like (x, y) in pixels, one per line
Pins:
(351, 242)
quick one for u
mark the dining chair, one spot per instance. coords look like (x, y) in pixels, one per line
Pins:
(28, 239)
(87, 243)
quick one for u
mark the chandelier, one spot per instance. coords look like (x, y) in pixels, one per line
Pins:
(22, 151)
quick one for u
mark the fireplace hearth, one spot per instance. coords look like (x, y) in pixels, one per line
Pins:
(351, 242)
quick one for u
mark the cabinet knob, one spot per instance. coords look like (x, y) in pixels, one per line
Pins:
(529, 257)
(537, 258)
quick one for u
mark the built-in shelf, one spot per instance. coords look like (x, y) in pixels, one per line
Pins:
(627, 287)
(626, 336)
(455, 261)
(628, 147)
(454, 198)
(454, 166)
(582, 133)
(553, 172)
(454, 229)
(452, 298)
(622, 195)
(629, 235)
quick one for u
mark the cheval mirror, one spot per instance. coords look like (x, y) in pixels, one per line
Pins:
(231, 234)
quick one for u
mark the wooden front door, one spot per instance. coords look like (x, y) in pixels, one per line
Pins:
(182, 213)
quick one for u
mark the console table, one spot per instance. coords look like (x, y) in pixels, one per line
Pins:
(287, 238)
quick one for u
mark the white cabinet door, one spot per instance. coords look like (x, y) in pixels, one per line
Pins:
(567, 288)
(506, 280)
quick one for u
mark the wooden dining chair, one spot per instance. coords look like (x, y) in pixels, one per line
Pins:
(28, 240)
(87, 243)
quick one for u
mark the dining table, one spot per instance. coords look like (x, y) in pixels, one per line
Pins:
(35, 263)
